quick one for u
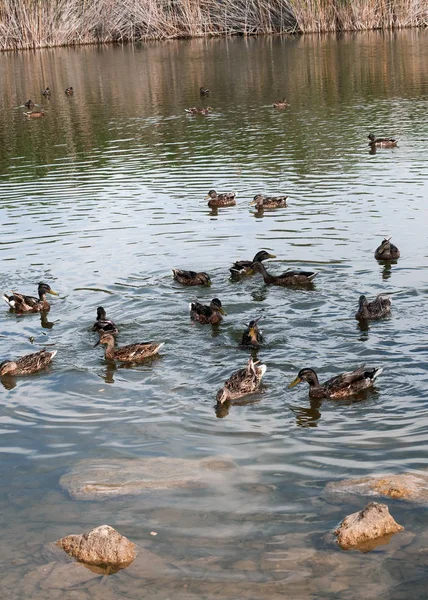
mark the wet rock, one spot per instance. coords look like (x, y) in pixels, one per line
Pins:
(101, 547)
(100, 479)
(372, 523)
(405, 486)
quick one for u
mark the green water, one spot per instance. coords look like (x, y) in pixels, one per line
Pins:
(104, 195)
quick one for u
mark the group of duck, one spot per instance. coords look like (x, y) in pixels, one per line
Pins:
(35, 114)
(244, 381)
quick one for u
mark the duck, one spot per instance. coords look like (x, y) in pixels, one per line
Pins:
(377, 309)
(382, 142)
(281, 104)
(35, 114)
(289, 277)
(252, 336)
(207, 314)
(340, 386)
(242, 268)
(191, 277)
(133, 353)
(199, 110)
(30, 363)
(220, 200)
(387, 251)
(262, 202)
(104, 325)
(46, 92)
(29, 104)
(204, 91)
(242, 382)
(21, 303)
(69, 91)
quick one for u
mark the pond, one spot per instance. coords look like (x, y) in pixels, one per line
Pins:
(103, 196)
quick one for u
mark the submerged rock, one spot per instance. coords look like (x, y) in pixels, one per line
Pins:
(101, 547)
(372, 523)
(406, 486)
(101, 479)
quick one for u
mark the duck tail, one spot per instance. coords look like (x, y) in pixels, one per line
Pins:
(377, 372)
(313, 275)
(53, 353)
(158, 347)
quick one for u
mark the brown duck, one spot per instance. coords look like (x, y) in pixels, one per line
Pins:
(377, 309)
(191, 277)
(339, 386)
(289, 277)
(133, 353)
(387, 251)
(221, 200)
(242, 382)
(21, 303)
(30, 363)
(207, 314)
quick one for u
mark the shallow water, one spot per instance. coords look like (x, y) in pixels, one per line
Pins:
(105, 194)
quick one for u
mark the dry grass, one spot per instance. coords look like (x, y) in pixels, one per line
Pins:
(38, 23)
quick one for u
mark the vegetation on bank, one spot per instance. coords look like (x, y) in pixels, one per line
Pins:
(39, 23)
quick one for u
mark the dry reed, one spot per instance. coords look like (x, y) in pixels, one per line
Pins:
(39, 23)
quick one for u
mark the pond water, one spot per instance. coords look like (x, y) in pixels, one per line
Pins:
(104, 195)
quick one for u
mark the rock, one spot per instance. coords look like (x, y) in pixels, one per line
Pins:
(100, 479)
(101, 547)
(405, 486)
(372, 523)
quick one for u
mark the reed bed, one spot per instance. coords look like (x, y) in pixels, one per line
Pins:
(44, 23)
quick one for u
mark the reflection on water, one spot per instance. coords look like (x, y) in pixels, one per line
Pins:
(105, 195)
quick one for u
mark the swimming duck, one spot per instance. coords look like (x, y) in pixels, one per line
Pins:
(69, 91)
(289, 277)
(220, 200)
(207, 314)
(380, 307)
(339, 386)
(102, 324)
(46, 92)
(204, 91)
(382, 142)
(132, 353)
(262, 202)
(195, 110)
(242, 382)
(30, 363)
(245, 267)
(281, 104)
(191, 277)
(29, 104)
(21, 303)
(35, 114)
(387, 251)
(252, 336)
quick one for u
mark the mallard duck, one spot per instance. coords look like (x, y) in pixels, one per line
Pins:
(204, 91)
(21, 303)
(46, 92)
(281, 104)
(199, 110)
(245, 267)
(339, 386)
(35, 114)
(102, 324)
(242, 382)
(29, 104)
(387, 251)
(207, 314)
(289, 277)
(30, 363)
(191, 277)
(69, 91)
(380, 307)
(252, 336)
(220, 200)
(262, 202)
(382, 142)
(129, 354)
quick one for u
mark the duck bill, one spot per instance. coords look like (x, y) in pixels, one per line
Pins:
(253, 202)
(222, 311)
(272, 255)
(53, 293)
(295, 382)
(207, 197)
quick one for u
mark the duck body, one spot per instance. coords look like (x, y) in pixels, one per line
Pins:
(69, 91)
(220, 200)
(242, 268)
(288, 278)
(382, 142)
(35, 114)
(281, 104)
(21, 303)
(377, 309)
(199, 110)
(268, 202)
(29, 104)
(30, 363)
(207, 314)
(252, 336)
(102, 324)
(204, 91)
(242, 382)
(191, 277)
(133, 353)
(339, 386)
(387, 251)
